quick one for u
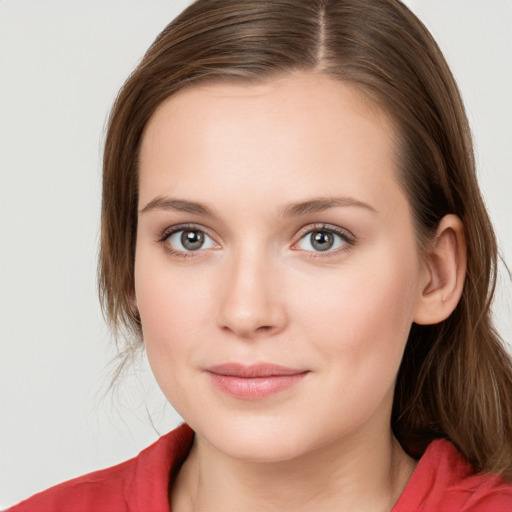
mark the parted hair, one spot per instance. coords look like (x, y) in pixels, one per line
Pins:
(455, 379)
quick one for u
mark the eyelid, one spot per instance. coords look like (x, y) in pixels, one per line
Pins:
(348, 237)
(169, 230)
(164, 236)
(322, 226)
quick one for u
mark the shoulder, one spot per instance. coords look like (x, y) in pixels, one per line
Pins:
(445, 482)
(140, 483)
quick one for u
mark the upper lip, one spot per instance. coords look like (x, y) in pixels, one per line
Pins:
(254, 370)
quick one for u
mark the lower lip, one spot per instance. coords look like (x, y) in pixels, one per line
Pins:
(255, 388)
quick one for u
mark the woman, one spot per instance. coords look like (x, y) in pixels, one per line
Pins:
(292, 228)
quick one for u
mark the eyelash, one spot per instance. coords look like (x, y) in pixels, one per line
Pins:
(348, 239)
(164, 237)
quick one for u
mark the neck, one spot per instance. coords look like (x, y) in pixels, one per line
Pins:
(343, 475)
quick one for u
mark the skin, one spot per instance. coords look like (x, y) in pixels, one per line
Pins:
(258, 291)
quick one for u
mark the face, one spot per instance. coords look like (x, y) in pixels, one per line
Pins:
(276, 269)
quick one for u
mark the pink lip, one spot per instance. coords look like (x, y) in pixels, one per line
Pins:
(255, 381)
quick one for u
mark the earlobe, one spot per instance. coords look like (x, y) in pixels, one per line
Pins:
(445, 271)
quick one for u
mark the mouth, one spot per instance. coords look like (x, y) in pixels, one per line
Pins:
(254, 382)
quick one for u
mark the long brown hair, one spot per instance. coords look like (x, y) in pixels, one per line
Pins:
(455, 380)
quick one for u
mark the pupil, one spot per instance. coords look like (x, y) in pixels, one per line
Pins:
(322, 240)
(192, 240)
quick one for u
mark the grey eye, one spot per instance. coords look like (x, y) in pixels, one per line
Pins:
(187, 240)
(192, 240)
(321, 240)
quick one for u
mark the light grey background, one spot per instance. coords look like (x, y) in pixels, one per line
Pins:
(61, 64)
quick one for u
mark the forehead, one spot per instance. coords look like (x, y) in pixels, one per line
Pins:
(296, 95)
(291, 134)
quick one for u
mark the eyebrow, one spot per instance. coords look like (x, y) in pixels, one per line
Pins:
(321, 204)
(290, 210)
(178, 205)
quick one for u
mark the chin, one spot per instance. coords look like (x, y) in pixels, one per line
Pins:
(262, 439)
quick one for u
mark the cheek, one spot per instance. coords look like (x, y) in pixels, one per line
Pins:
(364, 309)
(171, 304)
(173, 310)
(359, 326)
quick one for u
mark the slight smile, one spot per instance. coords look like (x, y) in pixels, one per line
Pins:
(255, 381)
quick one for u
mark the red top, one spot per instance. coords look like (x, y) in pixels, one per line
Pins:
(442, 482)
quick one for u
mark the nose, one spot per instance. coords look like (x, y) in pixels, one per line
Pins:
(253, 300)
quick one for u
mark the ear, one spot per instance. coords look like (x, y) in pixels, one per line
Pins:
(444, 273)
